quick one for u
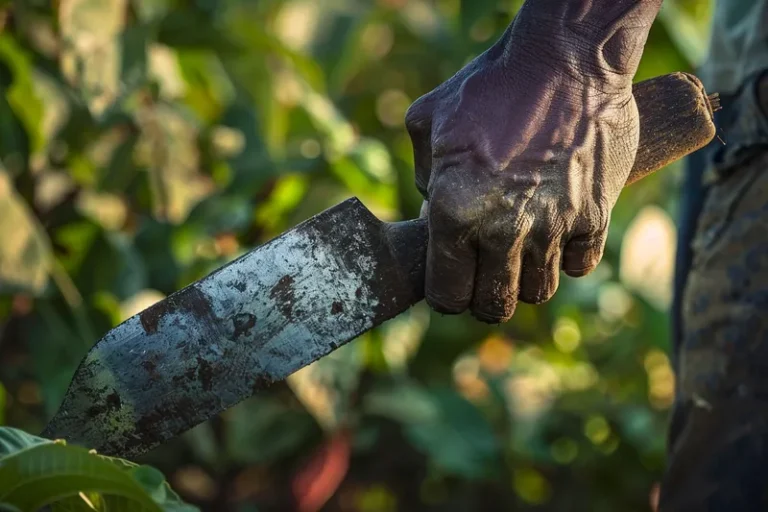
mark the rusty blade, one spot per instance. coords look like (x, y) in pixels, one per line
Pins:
(255, 321)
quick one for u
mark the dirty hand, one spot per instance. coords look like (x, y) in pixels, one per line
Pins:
(523, 153)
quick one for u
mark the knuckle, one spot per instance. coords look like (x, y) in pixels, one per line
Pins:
(418, 117)
(497, 235)
(568, 207)
(594, 224)
(548, 230)
(449, 212)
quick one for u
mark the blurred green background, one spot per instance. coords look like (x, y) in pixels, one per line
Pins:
(144, 143)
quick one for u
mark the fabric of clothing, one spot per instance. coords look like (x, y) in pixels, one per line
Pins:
(718, 437)
(738, 45)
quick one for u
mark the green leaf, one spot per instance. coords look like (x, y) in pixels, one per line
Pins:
(13, 440)
(45, 473)
(193, 29)
(689, 32)
(92, 51)
(83, 502)
(35, 472)
(25, 254)
(21, 107)
(257, 40)
(262, 431)
(169, 141)
(407, 404)
(459, 440)
(473, 10)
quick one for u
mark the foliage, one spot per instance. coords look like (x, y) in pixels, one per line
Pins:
(145, 143)
(35, 472)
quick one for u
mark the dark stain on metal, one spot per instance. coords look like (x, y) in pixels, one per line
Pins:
(359, 292)
(282, 293)
(150, 425)
(239, 285)
(111, 403)
(337, 307)
(189, 299)
(242, 324)
(151, 368)
(260, 383)
(189, 375)
(205, 373)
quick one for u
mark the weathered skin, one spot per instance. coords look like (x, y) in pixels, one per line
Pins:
(523, 153)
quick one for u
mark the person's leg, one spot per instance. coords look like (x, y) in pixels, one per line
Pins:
(718, 456)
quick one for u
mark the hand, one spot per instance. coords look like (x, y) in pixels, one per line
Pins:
(522, 154)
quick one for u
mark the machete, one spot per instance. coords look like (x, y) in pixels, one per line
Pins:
(290, 302)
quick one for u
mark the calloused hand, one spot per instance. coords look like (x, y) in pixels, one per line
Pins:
(523, 153)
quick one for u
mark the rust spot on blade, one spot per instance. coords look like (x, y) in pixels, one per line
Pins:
(189, 299)
(242, 324)
(151, 368)
(283, 295)
(260, 383)
(111, 403)
(205, 373)
(336, 308)
(180, 409)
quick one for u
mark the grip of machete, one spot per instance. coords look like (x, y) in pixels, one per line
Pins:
(676, 119)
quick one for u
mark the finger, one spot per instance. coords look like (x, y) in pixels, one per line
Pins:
(418, 122)
(583, 253)
(451, 261)
(498, 276)
(540, 274)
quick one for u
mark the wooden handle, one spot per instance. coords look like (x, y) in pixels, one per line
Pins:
(676, 119)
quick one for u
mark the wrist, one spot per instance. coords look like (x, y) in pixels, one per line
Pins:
(608, 35)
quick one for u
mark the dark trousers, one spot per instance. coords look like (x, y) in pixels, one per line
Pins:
(718, 437)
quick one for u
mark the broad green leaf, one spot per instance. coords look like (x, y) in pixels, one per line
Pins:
(21, 121)
(474, 10)
(190, 28)
(259, 41)
(35, 472)
(325, 387)
(92, 51)
(168, 147)
(25, 255)
(151, 10)
(263, 431)
(45, 473)
(13, 440)
(407, 403)
(82, 502)
(689, 31)
(459, 439)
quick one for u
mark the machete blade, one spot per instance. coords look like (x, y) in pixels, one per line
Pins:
(255, 321)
